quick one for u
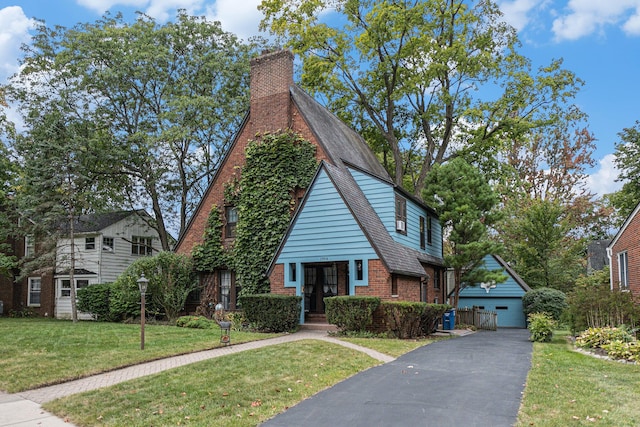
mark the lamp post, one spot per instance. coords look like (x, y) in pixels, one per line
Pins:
(142, 285)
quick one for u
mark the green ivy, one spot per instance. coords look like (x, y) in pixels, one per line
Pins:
(276, 164)
(210, 254)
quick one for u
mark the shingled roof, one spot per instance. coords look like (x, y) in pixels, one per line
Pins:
(341, 143)
(99, 221)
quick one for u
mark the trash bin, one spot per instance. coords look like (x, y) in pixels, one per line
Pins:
(449, 320)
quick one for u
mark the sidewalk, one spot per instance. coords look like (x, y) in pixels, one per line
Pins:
(23, 409)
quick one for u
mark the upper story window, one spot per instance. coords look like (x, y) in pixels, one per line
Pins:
(401, 215)
(141, 245)
(108, 244)
(623, 270)
(90, 243)
(422, 232)
(29, 246)
(231, 214)
(429, 231)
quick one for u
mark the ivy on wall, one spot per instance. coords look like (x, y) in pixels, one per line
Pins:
(276, 164)
(210, 254)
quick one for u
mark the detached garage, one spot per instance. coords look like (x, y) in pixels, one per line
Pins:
(504, 298)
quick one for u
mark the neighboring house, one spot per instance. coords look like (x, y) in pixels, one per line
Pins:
(597, 257)
(624, 256)
(504, 298)
(354, 232)
(104, 244)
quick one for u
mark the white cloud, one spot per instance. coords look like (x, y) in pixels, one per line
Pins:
(242, 21)
(517, 12)
(14, 31)
(585, 17)
(603, 181)
(101, 6)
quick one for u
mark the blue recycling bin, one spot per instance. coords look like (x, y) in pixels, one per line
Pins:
(449, 320)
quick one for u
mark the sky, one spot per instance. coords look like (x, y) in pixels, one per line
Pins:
(597, 40)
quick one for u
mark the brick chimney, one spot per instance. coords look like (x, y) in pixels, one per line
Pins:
(271, 77)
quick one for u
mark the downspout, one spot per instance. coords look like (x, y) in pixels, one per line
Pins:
(609, 255)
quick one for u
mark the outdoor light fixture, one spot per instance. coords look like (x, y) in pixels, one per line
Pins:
(225, 326)
(142, 285)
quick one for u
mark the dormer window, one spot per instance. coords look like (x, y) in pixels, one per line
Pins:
(401, 215)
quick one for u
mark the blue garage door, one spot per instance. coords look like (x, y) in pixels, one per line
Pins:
(509, 310)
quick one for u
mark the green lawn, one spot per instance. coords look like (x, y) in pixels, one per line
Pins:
(567, 388)
(37, 352)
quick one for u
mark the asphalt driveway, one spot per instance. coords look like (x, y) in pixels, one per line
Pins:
(474, 380)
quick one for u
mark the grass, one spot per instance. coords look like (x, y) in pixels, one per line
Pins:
(37, 352)
(567, 388)
(391, 347)
(219, 392)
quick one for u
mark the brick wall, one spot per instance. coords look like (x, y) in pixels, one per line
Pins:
(277, 281)
(271, 110)
(629, 241)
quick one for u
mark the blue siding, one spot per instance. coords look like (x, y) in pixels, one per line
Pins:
(505, 298)
(325, 231)
(381, 196)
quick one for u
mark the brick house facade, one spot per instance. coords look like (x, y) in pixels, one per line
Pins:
(624, 256)
(276, 103)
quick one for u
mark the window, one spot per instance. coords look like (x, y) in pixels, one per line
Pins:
(359, 270)
(394, 286)
(429, 231)
(35, 289)
(623, 270)
(107, 244)
(436, 281)
(141, 245)
(231, 213)
(225, 289)
(90, 243)
(422, 233)
(29, 246)
(401, 215)
(292, 271)
(502, 307)
(65, 288)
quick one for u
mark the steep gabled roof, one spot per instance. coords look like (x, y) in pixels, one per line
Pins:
(339, 141)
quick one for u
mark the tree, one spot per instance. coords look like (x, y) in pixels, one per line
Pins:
(58, 183)
(424, 80)
(467, 206)
(8, 176)
(539, 244)
(628, 162)
(168, 111)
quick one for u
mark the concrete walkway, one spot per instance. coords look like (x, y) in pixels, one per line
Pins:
(23, 409)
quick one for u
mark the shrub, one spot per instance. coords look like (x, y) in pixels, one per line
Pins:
(94, 299)
(272, 313)
(238, 320)
(599, 337)
(593, 305)
(350, 313)
(621, 350)
(411, 319)
(541, 327)
(171, 280)
(545, 300)
(195, 322)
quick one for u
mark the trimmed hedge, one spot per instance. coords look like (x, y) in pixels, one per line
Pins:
(94, 299)
(271, 312)
(351, 313)
(411, 319)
